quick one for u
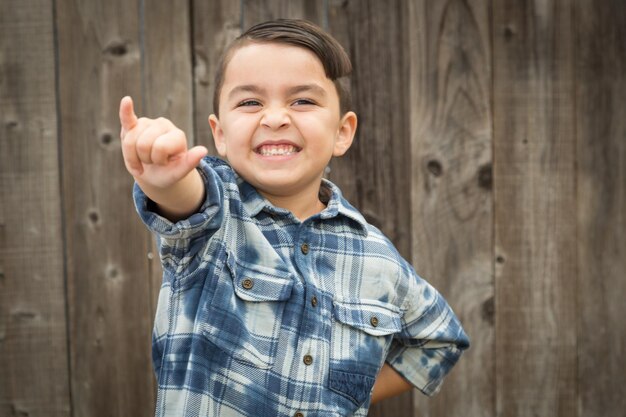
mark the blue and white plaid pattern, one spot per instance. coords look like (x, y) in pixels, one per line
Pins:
(260, 314)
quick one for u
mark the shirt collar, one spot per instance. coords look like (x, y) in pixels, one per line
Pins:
(330, 195)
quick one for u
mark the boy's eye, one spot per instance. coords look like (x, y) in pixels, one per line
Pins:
(248, 103)
(303, 101)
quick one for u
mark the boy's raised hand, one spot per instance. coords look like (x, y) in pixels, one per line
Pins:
(155, 151)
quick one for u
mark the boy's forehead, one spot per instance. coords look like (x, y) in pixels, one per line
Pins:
(258, 60)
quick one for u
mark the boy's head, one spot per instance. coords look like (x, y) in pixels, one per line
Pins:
(300, 33)
(283, 111)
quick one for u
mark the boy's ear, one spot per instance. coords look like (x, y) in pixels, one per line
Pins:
(218, 135)
(345, 134)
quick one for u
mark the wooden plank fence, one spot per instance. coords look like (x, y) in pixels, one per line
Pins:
(491, 149)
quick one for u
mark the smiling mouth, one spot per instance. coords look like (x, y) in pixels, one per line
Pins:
(277, 150)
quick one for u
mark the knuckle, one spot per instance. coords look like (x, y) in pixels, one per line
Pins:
(143, 146)
(179, 135)
(158, 146)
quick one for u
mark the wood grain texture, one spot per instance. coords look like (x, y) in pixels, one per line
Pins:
(215, 25)
(34, 375)
(108, 276)
(257, 11)
(167, 71)
(430, 79)
(451, 138)
(535, 223)
(601, 191)
(375, 173)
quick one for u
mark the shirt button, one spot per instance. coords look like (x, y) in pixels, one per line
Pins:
(374, 321)
(304, 248)
(298, 414)
(247, 283)
(314, 301)
(308, 360)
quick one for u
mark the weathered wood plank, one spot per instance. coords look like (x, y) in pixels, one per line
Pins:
(215, 25)
(256, 11)
(34, 375)
(375, 174)
(108, 276)
(601, 191)
(451, 136)
(167, 72)
(535, 219)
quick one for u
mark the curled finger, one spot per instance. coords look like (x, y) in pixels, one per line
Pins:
(168, 147)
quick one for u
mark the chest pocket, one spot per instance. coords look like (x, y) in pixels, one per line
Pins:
(361, 334)
(245, 314)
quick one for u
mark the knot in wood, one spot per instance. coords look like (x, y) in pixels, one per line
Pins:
(434, 167)
(489, 310)
(509, 32)
(116, 48)
(485, 177)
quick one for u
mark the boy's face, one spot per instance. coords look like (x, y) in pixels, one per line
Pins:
(279, 122)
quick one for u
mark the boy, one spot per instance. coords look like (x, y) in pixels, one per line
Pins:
(278, 298)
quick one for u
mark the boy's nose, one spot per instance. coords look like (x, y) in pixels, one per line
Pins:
(275, 118)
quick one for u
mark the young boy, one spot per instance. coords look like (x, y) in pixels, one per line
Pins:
(278, 298)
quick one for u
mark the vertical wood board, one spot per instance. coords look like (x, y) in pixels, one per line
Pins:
(535, 225)
(257, 11)
(374, 175)
(451, 137)
(215, 25)
(34, 376)
(601, 195)
(108, 275)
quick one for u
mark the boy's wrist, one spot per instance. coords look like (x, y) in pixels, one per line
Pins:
(178, 201)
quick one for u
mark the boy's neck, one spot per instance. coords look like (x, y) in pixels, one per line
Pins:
(302, 205)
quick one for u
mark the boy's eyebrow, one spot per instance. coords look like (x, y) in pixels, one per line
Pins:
(246, 88)
(314, 88)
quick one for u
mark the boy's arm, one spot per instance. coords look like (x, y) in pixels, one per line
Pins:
(156, 155)
(389, 383)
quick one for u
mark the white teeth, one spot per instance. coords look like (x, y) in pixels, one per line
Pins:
(277, 150)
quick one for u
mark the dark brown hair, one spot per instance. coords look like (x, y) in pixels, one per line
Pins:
(299, 33)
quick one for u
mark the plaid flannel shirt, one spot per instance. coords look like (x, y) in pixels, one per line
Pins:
(260, 314)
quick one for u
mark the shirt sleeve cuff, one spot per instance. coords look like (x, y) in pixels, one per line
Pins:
(425, 368)
(208, 217)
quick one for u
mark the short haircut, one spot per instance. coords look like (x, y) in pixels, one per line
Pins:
(299, 33)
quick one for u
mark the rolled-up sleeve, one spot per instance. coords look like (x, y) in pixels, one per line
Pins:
(431, 340)
(179, 241)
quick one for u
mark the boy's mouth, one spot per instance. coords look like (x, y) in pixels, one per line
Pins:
(277, 149)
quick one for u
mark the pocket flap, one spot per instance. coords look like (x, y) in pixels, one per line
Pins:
(371, 316)
(254, 282)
